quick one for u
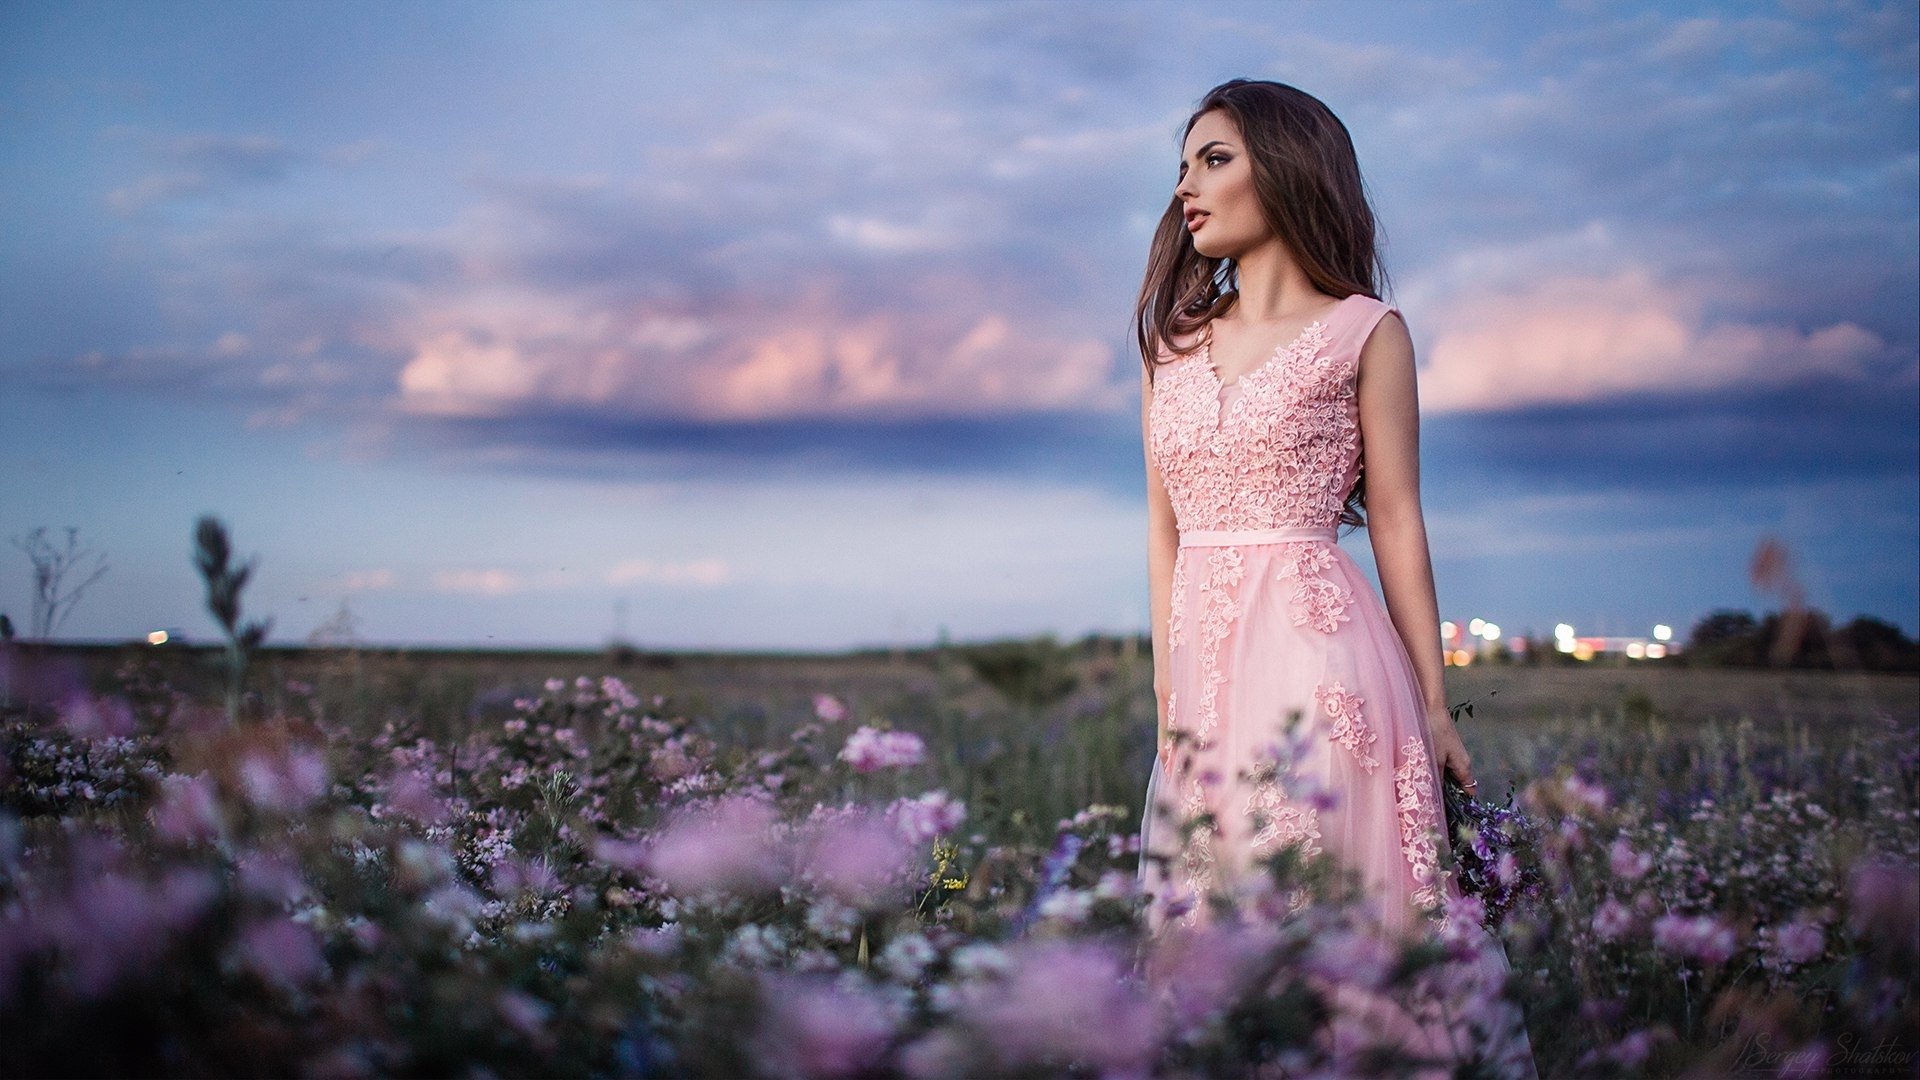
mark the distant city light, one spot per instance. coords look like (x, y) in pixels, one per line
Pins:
(1456, 653)
(158, 637)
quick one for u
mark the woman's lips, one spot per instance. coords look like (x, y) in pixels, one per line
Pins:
(1193, 223)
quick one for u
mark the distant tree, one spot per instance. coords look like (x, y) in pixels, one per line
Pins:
(1726, 638)
(1800, 638)
(1880, 645)
(53, 597)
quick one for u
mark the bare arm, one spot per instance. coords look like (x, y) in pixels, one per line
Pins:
(1390, 427)
(1162, 541)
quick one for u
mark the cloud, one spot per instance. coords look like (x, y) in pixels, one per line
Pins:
(199, 164)
(498, 351)
(1572, 339)
(488, 582)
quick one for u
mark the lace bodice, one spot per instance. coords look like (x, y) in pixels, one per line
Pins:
(1278, 447)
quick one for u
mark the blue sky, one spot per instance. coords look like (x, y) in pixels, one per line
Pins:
(806, 325)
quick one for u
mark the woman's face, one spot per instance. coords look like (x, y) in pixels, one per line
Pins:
(1216, 189)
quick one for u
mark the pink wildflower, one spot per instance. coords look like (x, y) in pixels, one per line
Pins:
(933, 814)
(829, 708)
(1586, 794)
(284, 783)
(860, 860)
(412, 795)
(186, 811)
(937, 1055)
(1199, 972)
(669, 762)
(114, 925)
(280, 951)
(455, 906)
(1799, 942)
(511, 876)
(1066, 1001)
(269, 876)
(1612, 920)
(628, 855)
(813, 1027)
(1702, 937)
(869, 748)
(722, 848)
(1627, 862)
(87, 717)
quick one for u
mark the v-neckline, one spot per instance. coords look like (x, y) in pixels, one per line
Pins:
(1220, 387)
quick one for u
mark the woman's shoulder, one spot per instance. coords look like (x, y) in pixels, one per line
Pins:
(1364, 314)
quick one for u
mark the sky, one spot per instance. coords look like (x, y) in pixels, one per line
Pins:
(808, 326)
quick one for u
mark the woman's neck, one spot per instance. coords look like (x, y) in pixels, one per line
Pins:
(1272, 287)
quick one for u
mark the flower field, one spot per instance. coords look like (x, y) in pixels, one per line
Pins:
(581, 876)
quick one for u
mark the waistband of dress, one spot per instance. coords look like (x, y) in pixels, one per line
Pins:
(1235, 537)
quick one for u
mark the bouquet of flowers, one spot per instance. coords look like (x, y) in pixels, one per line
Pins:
(1496, 851)
(1495, 847)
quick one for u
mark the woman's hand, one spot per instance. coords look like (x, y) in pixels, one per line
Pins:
(1448, 748)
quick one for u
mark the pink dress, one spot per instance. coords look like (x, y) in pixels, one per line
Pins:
(1271, 617)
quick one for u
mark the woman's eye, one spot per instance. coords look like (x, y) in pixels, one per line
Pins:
(1211, 158)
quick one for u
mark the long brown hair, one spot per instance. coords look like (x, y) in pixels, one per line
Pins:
(1307, 177)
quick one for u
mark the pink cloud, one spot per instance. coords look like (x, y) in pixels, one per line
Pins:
(1570, 338)
(490, 582)
(497, 352)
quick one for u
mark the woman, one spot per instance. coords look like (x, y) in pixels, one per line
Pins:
(1278, 401)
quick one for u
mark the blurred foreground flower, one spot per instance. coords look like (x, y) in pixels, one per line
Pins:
(815, 1027)
(723, 848)
(858, 858)
(1064, 1003)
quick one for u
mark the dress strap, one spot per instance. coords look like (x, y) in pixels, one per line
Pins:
(1360, 325)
